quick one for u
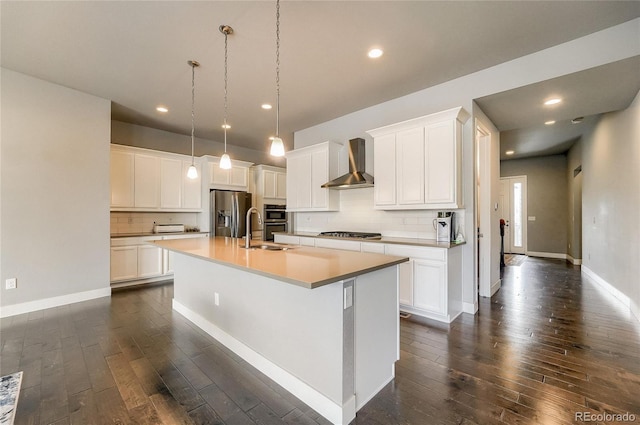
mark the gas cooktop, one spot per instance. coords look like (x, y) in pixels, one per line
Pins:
(353, 235)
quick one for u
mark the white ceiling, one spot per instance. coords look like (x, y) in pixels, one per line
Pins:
(135, 53)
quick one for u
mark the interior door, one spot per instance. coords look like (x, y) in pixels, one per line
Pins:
(513, 204)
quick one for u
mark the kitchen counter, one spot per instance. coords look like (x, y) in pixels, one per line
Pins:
(144, 234)
(385, 239)
(324, 324)
(298, 265)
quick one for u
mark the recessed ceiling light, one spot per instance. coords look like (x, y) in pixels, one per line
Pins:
(509, 152)
(552, 122)
(375, 53)
(553, 101)
(577, 120)
(227, 126)
(266, 106)
(162, 109)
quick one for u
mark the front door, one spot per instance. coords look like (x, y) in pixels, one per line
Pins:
(513, 210)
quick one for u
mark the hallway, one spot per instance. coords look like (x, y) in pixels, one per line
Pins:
(546, 346)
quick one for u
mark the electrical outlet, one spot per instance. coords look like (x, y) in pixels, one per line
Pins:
(11, 283)
(216, 298)
(348, 297)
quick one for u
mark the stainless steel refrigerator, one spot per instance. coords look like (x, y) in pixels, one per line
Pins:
(228, 213)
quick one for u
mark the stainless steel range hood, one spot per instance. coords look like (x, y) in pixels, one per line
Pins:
(356, 177)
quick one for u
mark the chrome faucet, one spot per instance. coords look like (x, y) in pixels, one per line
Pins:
(247, 242)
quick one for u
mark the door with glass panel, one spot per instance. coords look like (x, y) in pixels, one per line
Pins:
(513, 210)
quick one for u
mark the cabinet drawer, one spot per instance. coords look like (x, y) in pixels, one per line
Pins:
(426, 253)
(293, 240)
(307, 241)
(335, 244)
(377, 248)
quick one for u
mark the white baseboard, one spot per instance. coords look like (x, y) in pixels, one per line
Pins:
(620, 296)
(496, 285)
(574, 261)
(547, 255)
(28, 307)
(335, 413)
(470, 308)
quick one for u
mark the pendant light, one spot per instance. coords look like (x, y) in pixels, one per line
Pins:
(225, 161)
(277, 146)
(192, 172)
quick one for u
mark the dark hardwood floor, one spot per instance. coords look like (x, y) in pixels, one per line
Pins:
(547, 345)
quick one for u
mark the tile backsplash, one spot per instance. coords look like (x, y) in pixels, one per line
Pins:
(357, 214)
(142, 222)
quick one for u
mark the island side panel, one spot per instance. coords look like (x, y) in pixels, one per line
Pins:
(298, 329)
(377, 339)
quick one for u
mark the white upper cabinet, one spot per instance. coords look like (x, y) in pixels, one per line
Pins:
(271, 182)
(191, 188)
(122, 188)
(236, 178)
(170, 183)
(148, 180)
(418, 162)
(308, 169)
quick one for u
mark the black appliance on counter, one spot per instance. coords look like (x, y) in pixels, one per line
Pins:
(275, 219)
(351, 235)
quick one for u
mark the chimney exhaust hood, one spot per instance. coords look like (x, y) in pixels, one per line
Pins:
(356, 177)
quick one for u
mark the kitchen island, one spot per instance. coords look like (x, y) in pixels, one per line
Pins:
(321, 323)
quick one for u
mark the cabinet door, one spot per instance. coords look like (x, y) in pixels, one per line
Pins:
(269, 181)
(171, 183)
(122, 183)
(410, 166)
(219, 175)
(124, 263)
(281, 186)
(147, 181)
(191, 188)
(384, 164)
(319, 176)
(430, 286)
(299, 182)
(167, 261)
(149, 261)
(405, 283)
(239, 176)
(440, 162)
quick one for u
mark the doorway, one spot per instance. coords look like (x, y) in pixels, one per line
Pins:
(513, 210)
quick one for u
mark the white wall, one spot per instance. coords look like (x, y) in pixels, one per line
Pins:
(596, 49)
(611, 201)
(54, 189)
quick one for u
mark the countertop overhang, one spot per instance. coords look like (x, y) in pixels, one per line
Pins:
(303, 266)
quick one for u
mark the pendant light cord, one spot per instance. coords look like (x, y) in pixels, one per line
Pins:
(277, 68)
(225, 91)
(193, 97)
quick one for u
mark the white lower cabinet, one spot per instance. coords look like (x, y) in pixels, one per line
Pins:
(124, 262)
(134, 261)
(430, 284)
(149, 261)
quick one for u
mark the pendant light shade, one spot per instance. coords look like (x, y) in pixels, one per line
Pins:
(192, 172)
(225, 160)
(277, 145)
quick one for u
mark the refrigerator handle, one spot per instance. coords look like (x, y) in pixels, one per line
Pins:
(234, 217)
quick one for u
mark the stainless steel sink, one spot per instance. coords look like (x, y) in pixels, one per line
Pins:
(271, 247)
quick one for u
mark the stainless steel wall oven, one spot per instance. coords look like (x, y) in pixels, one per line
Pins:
(275, 220)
